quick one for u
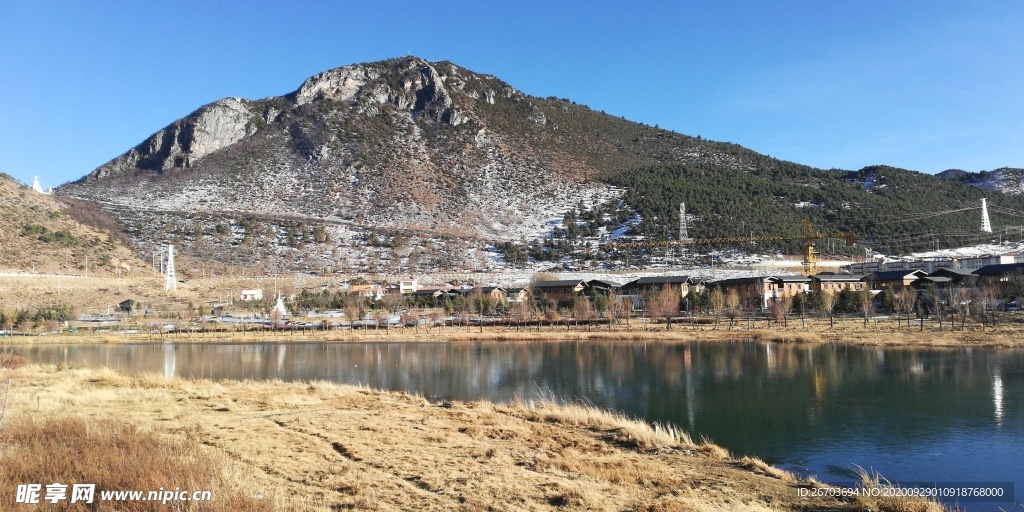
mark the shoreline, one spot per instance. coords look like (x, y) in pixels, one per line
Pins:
(324, 446)
(849, 331)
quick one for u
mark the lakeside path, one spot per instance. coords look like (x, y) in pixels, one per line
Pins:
(324, 446)
(850, 331)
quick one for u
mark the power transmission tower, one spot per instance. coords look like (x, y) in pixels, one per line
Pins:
(171, 281)
(986, 226)
(684, 233)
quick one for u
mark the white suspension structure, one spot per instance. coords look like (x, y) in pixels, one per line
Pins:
(171, 280)
(986, 225)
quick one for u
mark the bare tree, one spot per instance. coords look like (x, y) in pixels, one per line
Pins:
(867, 304)
(276, 318)
(583, 310)
(904, 302)
(665, 304)
(936, 300)
(988, 295)
(785, 304)
(521, 312)
(828, 303)
(627, 309)
(960, 300)
(732, 305)
(552, 315)
(717, 300)
(352, 312)
(614, 311)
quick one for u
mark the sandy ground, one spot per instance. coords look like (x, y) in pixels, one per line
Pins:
(322, 446)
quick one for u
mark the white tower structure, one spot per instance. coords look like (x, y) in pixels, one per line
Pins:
(684, 233)
(39, 188)
(171, 281)
(279, 306)
(986, 226)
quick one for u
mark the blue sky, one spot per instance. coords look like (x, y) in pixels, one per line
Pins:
(921, 85)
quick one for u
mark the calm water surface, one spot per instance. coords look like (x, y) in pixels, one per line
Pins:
(913, 415)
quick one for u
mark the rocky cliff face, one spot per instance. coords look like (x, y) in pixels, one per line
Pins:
(186, 141)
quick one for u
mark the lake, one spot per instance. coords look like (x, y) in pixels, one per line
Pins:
(912, 415)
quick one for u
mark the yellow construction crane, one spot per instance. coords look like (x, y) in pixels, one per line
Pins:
(810, 237)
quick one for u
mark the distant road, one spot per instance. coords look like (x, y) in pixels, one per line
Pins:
(19, 274)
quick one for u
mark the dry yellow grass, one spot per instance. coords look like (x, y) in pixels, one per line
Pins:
(323, 446)
(1007, 335)
(115, 456)
(889, 503)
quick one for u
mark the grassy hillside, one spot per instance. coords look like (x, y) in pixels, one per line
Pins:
(37, 231)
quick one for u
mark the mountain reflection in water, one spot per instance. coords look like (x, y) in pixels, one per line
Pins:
(910, 414)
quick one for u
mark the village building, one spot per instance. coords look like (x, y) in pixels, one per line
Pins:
(653, 284)
(895, 279)
(558, 290)
(517, 294)
(779, 287)
(826, 282)
(368, 291)
(1004, 275)
(251, 295)
(607, 289)
(987, 260)
(957, 277)
(496, 293)
(751, 290)
(408, 285)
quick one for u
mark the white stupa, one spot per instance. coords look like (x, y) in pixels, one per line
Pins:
(279, 307)
(38, 188)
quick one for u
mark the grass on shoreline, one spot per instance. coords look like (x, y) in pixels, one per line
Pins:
(325, 446)
(812, 331)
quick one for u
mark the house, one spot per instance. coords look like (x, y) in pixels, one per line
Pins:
(923, 282)
(408, 285)
(987, 260)
(777, 287)
(558, 290)
(957, 276)
(369, 291)
(428, 297)
(1005, 274)
(826, 282)
(496, 293)
(927, 265)
(895, 279)
(654, 284)
(596, 287)
(251, 295)
(865, 267)
(517, 294)
(751, 290)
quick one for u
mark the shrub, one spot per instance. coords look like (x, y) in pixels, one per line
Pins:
(116, 457)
